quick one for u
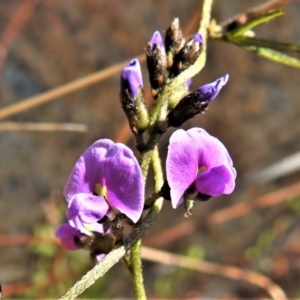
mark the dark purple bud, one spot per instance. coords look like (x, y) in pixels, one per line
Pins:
(156, 63)
(174, 41)
(131, 79)
(196, 102)
(188, 54)
(174, 38)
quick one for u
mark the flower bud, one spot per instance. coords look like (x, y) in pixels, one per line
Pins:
(132, 97)
(156, 62)
(195, 102)
(174, 41)
(188, 54)
(131, 79)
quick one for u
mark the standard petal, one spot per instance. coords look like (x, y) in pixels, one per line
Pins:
(216, 181)
(67, 235)
(181, 165)
(211, 152)
(88, 170)
(124, 182)
(87, 207)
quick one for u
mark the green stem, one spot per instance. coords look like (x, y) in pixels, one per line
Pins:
(135, 252)
(157, 170)
(137, 272)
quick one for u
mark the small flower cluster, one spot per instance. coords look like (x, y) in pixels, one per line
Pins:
(166, 60)
(105, 182)
(105, 191)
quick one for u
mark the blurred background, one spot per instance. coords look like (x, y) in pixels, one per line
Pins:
(46, 44)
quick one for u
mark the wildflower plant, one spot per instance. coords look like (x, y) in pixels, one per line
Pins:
(107, 211)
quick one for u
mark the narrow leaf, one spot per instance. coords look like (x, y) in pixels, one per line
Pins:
(275, 56)
(247, 41)
(258, 21)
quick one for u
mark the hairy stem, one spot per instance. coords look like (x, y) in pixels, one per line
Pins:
(137, 271)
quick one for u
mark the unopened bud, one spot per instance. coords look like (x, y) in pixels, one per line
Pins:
(132, 97)
(131, 79)
(156, 62)
(174, 41)
(195, 102)
(188, 54)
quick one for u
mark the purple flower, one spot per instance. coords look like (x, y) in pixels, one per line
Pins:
(105, 180)
(198, 164)
(131, 79)
(98, 244)
(68, 236)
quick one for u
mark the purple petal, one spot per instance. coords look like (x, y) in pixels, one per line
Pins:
(87, 207)
(86, 229)
(67, 235)
(210, 91)
(196, 151)
(156, 40)
(88, 170)
(211, 152)
(124, 182)
(131, 78)
(215, 182)
(112, 166)
(181, 165)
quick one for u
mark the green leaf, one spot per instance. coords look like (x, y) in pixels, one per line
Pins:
(253, 23)
(275, 56)
(248, 41)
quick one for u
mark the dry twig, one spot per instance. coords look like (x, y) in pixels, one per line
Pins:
(14, 26)
(223, 215)
(14, 126)
(215, 269)
(252, 13)
(62, 90)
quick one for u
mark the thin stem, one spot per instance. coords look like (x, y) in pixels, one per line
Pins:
(114, 256)
(203, 30)
(157, 170)
(136, 271)
(205, 18)
(135, 253)
(144, 161)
